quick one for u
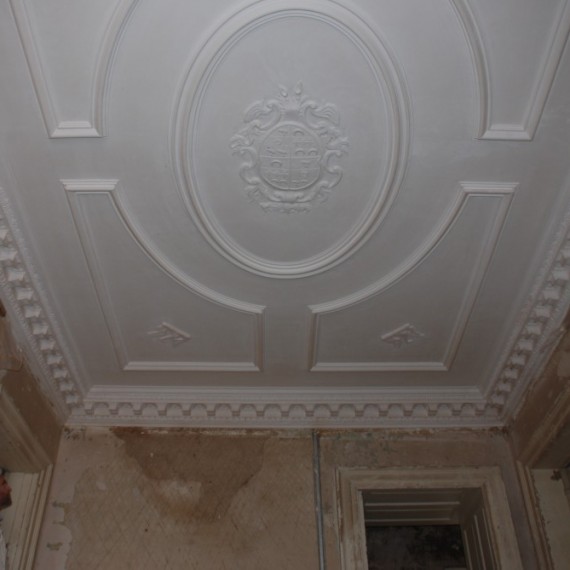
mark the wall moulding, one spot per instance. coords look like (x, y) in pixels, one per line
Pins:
(503, 192)
(95, 124)
(282, 408)
(382, 67)
(352, 483)
(78, 192)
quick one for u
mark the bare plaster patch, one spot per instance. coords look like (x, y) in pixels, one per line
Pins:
(184, 499)
(188, 459)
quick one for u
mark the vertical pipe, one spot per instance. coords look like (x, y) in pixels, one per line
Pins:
(318, 499)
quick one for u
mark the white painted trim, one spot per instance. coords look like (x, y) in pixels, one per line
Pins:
(534, 516)
(379, 366)
(31, 51)
(105, 60)
(457, 204)
(110, 187)
(173, 366)
(350, 512)
(22, 522)
(258, 396)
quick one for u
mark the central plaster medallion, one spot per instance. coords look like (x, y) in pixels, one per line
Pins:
(291, 146)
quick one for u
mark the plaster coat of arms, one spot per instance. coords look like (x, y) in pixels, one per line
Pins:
(291, 146)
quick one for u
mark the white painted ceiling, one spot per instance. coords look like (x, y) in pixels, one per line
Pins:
(285, 212)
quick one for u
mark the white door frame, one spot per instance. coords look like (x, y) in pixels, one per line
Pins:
(487, 527)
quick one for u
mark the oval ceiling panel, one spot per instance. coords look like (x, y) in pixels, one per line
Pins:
(303, 141)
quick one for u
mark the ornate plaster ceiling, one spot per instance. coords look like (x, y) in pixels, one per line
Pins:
(285, 212)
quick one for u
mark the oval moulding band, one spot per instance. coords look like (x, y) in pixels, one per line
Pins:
(304, 142)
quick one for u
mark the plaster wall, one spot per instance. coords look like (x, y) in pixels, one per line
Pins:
(555, 510)
(137, 499)
(425, 448)
(132, 499)
(29, 427)
(36, 414)
(540, 431)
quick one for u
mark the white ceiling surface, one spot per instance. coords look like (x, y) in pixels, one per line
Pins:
(285, 212)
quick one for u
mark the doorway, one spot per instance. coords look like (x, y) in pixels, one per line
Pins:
(473, 499)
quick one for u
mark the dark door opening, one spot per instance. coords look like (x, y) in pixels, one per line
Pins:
(415, 547)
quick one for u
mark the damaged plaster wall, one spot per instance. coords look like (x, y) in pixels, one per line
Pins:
(30, 429)
(555, 509)
(133, 499)
(540, 431)
(137, 499)
(540, 435)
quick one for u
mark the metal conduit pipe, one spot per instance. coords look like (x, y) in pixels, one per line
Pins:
(318, 499)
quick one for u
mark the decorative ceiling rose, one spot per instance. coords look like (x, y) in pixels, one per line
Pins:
(291, 146)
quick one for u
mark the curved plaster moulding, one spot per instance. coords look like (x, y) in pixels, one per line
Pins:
(109, 188)
(501, 190)
(489, 128)
(467, 189)
(478, 59)
(164, 331)
(297, 110)
(95, 125)
(25, 300)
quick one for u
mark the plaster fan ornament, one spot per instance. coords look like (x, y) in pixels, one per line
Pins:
(169, 334)
(291, 148)
(402, 336)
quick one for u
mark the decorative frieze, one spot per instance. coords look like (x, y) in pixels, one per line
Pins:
(539, 331)
(25, 301)
(289, 413)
